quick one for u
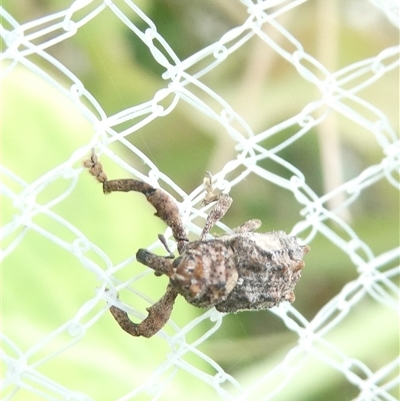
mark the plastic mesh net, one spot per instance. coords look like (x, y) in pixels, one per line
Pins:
(294, 108)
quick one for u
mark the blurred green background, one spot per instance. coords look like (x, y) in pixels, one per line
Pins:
(43, 286)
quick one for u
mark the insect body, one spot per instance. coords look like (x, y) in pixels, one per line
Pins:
(245, 270)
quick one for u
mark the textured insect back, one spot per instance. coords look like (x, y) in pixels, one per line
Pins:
(205, 273)
(295, 251)
(269, 266)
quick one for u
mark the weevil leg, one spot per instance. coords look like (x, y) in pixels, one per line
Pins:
(158, 316)
(166, 207)
(224, 202)
(248, 226)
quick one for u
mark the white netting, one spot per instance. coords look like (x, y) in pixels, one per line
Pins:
(292, 105)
